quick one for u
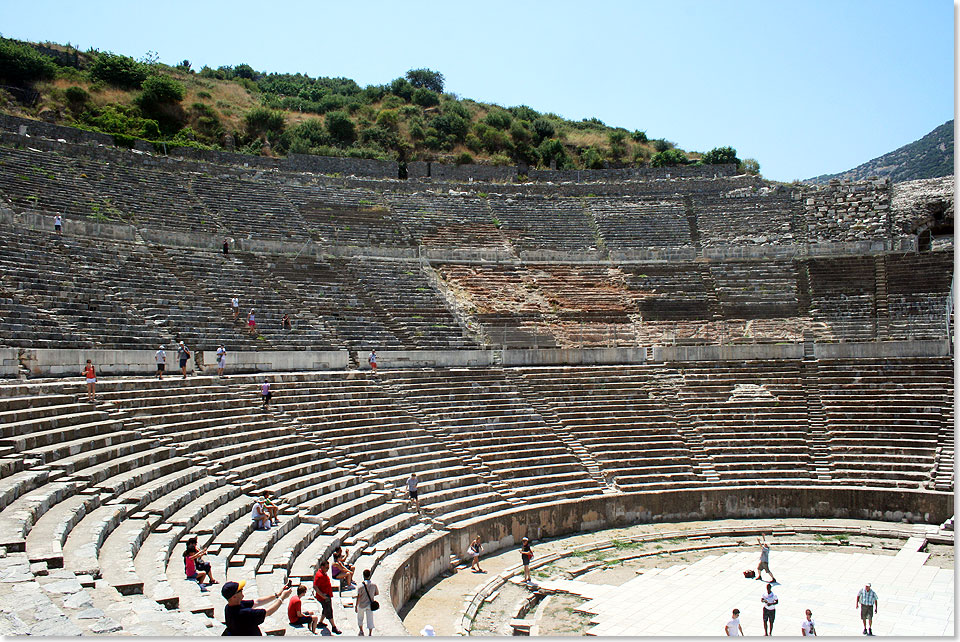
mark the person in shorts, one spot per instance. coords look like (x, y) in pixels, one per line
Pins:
(363, 605)
(161, 357)
(868, 603)
(58, 224)
(199, 563)
(526, 554)
(764, 564)
(475, 549)
(183, 355)
(770, 601)
(221, 360)
(235, 304)
(323, 591)
(297, 616)
(412, 482)
(372, 360)
(89, 373)
(252, 321)
(807, 627)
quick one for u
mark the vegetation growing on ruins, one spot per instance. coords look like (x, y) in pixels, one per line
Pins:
(409, 118)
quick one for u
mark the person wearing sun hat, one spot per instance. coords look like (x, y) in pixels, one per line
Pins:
(241, 616)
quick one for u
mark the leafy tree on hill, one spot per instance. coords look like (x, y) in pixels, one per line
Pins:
(262, 121)
(720, 156)
(341, 128)
(426, 79)
(21, 64)
(425, 97)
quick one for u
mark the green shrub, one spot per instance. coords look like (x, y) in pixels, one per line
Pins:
(498, 119)
(456, 108)
(401, 87)
(543, 128)
(388, 119)
(159, 90)
(425, 98)
(592, 159)
(463, 158)
(552, 149)
(639, 136)
(426, 79)
(501, 160)
(77, 96)
(261, 121)
(720, 156)
(524, 113)
(618, 148)
(21, 64)
(668, 158)
(451, 125)
(204, 94)
(120, 71)
(473, 143)
(119, 119)
(341, 128)
(662, 145)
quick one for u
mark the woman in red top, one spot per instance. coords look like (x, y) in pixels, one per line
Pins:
(90, 373)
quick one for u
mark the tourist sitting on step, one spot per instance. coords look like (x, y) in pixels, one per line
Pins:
(285, 322)
(270, 508)
(341, 571)
(297, 616)
(194, 564)
(261, 520)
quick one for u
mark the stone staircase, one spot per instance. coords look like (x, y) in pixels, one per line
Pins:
(816, 420)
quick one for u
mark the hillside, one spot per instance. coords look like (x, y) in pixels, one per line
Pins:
(238, 108)
(929, 157)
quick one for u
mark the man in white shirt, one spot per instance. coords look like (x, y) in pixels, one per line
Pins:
(161, 358)
(733, 628)
(769, 600)
(807, 627)
(235, 304)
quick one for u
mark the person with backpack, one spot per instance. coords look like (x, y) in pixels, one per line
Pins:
(365, 605)
(526, 554)
(183, 354)
(221, 360)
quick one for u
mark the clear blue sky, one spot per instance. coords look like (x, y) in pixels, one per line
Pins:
(806, 88)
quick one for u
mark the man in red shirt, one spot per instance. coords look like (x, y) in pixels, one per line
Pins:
(296, 614)
(323, 591)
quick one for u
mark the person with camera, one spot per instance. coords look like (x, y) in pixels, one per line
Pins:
(365, 605)
(241, 616)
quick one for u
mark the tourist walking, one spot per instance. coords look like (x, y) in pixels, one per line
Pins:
(241, 616)
(770, 601)
(221, 360)
(161, 357)
(183, 355)
(475, 549)
(764, 564)
(372, 360)
(58, 224)
(807, 627)
(733, 628)
(89, 373)
(297, 616)
(323, 592)
(226, 247)
(265, 394)
(526, 554)
(412, 492)
(235, 304)
(252, 321)
(869, 605)
(365, 605)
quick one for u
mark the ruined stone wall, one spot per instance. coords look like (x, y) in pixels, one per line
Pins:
(847, 211)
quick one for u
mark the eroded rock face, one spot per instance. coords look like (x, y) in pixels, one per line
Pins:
(923, 204)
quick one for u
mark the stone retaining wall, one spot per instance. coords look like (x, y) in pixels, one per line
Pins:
(573, 356)
(50, 362)
(847, 211)
(424, 561)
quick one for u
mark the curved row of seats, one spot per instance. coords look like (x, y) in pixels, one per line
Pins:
(111, 490)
